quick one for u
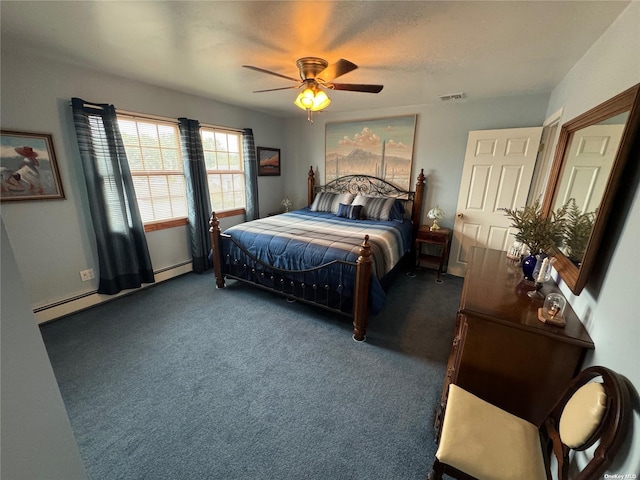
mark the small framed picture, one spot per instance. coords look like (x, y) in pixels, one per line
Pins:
(28, 168)
(268, 161)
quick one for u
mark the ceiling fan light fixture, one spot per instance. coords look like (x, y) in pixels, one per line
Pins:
(312, 98)
(316, 75)
(320, 101)
(305, 99)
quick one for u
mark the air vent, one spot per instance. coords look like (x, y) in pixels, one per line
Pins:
(452, 97)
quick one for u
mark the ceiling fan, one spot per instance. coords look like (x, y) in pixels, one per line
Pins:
(315, 75)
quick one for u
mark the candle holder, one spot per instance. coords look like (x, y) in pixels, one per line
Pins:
(541, 276)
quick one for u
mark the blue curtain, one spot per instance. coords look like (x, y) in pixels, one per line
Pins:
(195, 173)
(250, 174)
(123, 254)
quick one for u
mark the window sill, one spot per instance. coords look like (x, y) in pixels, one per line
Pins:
(163, 224)
(230, 213)
(178, 222)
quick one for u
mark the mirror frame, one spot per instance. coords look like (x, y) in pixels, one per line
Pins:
(576, 277)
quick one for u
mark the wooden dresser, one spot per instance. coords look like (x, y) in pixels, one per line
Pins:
(501, 352)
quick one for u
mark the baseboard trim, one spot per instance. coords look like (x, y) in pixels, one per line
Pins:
(75, 304)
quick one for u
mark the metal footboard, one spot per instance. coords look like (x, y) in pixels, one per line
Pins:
(329, 286)
(339, 286)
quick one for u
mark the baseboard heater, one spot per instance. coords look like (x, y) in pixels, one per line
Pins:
(62, 308)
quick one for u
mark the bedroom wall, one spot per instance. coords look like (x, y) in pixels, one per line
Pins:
(53, 240)
(37, 440)
(610, 302)
(440, 141)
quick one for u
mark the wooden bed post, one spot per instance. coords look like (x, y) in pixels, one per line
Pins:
(311, 182)
(416, 211)
(214, 232)
(361, 294)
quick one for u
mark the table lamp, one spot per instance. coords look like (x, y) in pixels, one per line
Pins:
(435, 213)
(287, 204)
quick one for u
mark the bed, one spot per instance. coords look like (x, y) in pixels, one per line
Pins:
(339, 252)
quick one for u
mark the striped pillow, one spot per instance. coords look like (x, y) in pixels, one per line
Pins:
(351, 212)
(375, 208)
(329, 201)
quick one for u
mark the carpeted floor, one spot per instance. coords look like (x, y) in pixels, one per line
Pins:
(184, 381)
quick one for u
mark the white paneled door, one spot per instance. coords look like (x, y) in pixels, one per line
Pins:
(587, 166)
(497, 172)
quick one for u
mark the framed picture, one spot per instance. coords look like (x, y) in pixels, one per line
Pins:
(268, 161)
(28, 167)
(381, 147)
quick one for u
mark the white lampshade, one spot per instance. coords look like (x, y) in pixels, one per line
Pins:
(435, 213)
(286, 202)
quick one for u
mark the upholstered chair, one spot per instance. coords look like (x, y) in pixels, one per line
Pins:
(480, 441)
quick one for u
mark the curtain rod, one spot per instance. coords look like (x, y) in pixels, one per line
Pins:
(174, 121)
(91, 105)
(164, 119)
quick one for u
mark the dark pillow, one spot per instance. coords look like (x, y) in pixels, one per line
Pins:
(349, 211)
(397, 211)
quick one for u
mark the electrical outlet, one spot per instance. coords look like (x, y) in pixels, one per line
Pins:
(87, 275)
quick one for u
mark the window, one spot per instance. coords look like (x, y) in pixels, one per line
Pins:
(155, 161)
(225, 170)
(156, 164)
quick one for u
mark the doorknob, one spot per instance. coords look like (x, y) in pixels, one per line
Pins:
(460, 215)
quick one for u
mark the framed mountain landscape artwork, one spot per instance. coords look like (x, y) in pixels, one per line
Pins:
(380, 147)
(268, 161)
(28, 168)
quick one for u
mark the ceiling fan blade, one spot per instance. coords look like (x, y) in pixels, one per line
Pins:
(335, 70)
(274, 89)
(355, 87)
(271, 73)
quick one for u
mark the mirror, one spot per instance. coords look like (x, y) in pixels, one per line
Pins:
(592, 151)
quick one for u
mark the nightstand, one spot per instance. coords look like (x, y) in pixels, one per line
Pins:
(439, 239)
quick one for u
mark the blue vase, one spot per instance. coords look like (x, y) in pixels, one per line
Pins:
(528, 265)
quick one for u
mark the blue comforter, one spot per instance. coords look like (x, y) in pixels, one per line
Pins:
(303, 239)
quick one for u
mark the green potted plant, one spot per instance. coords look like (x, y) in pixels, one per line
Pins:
(539, 232)
(577, 230)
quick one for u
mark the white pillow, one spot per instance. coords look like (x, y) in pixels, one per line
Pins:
(330, 201)
(375, 208)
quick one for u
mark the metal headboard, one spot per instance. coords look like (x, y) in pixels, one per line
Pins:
(365, 185)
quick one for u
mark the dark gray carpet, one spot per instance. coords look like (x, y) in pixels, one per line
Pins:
(184, 381)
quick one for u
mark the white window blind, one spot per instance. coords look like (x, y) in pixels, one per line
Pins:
(225, 169)
(155, 161)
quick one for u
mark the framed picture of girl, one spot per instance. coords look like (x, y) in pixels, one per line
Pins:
(28, 168)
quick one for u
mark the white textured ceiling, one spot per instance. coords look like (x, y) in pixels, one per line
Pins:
(417, 49)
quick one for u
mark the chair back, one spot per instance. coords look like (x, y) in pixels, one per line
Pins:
(596, 406)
